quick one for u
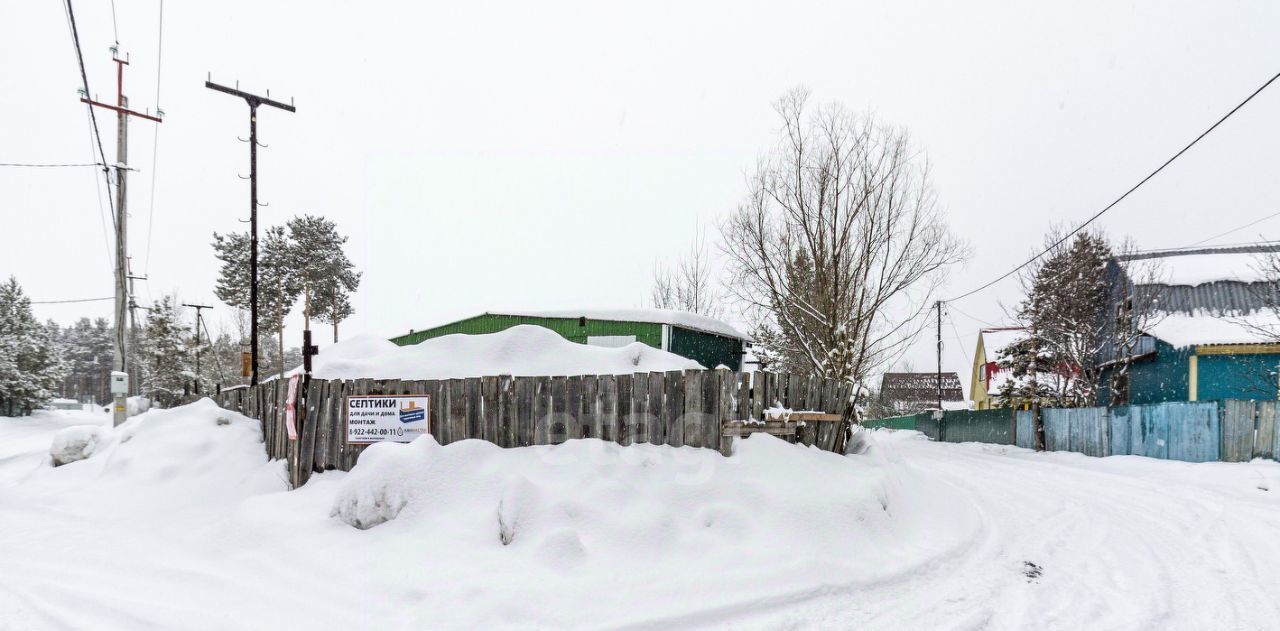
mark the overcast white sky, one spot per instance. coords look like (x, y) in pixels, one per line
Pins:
(488, 155)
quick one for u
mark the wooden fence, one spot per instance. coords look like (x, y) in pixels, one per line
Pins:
(695, 408)
(1206, 431)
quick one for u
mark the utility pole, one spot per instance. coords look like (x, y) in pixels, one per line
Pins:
(199, 322)
(254, 101)
(938, 305)
(120, 355)
(133, 318)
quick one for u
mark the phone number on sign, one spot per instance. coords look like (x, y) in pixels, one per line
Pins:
(382, 431)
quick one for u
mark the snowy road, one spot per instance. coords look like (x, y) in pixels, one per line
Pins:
(1120, 543)
(181, 523)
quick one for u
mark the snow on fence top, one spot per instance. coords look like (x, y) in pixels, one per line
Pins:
(523, 350)
(682, 319)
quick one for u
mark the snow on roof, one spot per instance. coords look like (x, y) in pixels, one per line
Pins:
(682, 319)
(1207, 267)
(1179, 329)
(523, 350)
(995, 340)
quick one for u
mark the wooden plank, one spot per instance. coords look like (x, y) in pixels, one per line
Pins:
(657, 425)
(589, 417)
(526, 420)
(622, 413)
(471, 393)
(489, 429)
(457, 410)
(1237, 430)
(542, 411)
(746, 428)
(1264, 446)
(638, 422)
(759, 385)
(673, 386)
(691, 412)
(572, 417)
(607, 401)
(312, 394)
(506, 411)
(742, 398)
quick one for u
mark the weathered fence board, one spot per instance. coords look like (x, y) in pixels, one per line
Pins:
(1237, 430)
(1266, 443)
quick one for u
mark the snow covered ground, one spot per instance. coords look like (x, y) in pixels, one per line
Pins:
(178, 521)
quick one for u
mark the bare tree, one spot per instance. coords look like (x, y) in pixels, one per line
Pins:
(689, 285)
(840, 243)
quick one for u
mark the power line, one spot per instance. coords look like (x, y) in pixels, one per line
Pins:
(1126, 193)
(155, 142)
(97, 193)
(63, 302)
(49, 165)
(93, 118)
(978, 320)
(114, 30)
(1234, 230)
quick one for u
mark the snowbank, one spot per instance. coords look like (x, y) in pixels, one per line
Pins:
(178, 517)
(75, 443)
(523, 350)
(683, 319)
(687, 526)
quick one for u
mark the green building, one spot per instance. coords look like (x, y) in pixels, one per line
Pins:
(706, 340)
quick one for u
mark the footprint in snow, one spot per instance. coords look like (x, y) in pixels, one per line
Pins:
(1031, 571)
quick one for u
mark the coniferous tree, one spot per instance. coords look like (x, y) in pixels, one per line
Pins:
(31, 368)
(1066, 301)
(165, 354)
(326, 277)
(278, 282)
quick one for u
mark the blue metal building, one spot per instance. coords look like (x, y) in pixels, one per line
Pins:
(1204, 326)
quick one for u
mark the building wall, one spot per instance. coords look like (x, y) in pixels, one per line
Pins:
(1168, 377)
(1236, 376)
(706, 349)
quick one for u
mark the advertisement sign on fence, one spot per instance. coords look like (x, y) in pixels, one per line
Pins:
(390, 418)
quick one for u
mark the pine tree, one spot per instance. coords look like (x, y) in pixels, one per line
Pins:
(165, 354)
(31, 367)
(278, 282)
(326, 276)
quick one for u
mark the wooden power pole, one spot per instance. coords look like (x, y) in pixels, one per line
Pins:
(120, 355)
(254, 101)
(199, 323)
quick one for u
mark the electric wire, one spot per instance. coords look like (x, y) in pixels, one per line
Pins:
(49, 165)
(155, 144)
(1234, 230)
(1125, 195)
(64, 302)
(93, 118)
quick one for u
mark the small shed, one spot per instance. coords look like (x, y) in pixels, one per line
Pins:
(706, 340)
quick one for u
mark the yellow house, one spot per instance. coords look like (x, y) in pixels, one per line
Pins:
(987, 378)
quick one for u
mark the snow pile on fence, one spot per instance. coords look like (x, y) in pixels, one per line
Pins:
(523, 350)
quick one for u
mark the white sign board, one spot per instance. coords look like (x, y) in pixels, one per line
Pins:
(390, 418)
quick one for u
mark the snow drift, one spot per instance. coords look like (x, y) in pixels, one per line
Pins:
(177, 520)
(523, 350)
